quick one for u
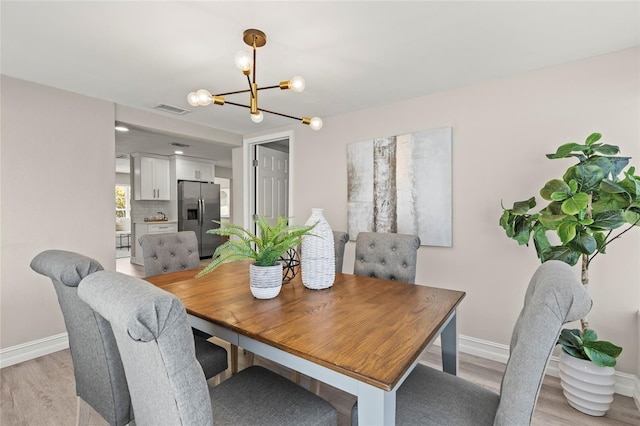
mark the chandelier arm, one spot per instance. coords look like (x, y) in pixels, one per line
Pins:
(237, 104)
(233, 93)
(280, 114)
(254, 60)
(253, 95)
(277, 86)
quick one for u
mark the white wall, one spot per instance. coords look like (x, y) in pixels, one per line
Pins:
(501, 133)
(57, 182)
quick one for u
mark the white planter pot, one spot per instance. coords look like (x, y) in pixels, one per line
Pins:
(265, 281)
(587, 387)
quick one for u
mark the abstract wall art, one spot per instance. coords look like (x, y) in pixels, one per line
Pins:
(402, 184)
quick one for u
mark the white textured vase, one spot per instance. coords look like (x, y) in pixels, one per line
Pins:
(265, 282)
(318, 259)
(588, 388)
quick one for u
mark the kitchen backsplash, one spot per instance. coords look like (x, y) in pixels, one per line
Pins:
(143, 208)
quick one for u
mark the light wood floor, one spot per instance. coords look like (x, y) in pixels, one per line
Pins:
(41, 392)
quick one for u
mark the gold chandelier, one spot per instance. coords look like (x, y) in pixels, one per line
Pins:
(246, 62)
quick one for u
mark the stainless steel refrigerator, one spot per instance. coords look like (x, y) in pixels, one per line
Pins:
(198, 206)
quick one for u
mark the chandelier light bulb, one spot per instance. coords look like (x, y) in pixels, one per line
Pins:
(192, 98)
(297, 84)
(204, 97)
(316, 123)
(243, 60)
(257, 118)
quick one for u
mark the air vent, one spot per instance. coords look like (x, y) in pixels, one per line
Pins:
(172, 109)
(179, 145)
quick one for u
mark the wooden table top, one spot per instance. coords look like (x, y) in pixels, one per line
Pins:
(366, 328)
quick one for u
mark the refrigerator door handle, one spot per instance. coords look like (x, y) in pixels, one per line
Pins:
(202, 216)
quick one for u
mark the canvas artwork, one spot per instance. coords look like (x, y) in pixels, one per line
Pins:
(402, 184)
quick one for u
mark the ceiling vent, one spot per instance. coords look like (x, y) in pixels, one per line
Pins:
(172, 109)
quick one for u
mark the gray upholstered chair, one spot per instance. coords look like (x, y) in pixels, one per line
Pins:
(166, 385)
(178, 251)
(97, 368)
(170, 252)
(340, 238)
(554, 297)
(388, 256)
(98, 371)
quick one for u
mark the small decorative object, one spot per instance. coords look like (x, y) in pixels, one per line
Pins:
(318, 257)
(594, 198)
(266, 249)
(290, 265)
(587, 381)
(265, 281)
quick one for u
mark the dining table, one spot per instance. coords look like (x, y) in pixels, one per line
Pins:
(362, 335)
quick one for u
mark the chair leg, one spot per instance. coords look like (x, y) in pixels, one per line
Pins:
(249, 359)
(83, 413)
(234, 359)
(314, 386)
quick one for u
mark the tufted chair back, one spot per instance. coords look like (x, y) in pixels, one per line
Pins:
(339, 240)
(171, 252)
(387, 256)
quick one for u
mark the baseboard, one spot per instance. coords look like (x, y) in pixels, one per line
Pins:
(626, 384)
(34, 349)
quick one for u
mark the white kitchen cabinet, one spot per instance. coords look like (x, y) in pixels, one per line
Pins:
(151, 177)
(144, 228)
(196, 170)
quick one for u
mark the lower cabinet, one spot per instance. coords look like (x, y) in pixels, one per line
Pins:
(145, 228)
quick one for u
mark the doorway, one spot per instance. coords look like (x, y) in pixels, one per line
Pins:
(268, 178)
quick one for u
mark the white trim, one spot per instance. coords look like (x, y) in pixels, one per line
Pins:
(34, 349)
(247, 144)
(626, 384)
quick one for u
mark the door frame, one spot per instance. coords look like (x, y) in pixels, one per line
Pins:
(248, 178)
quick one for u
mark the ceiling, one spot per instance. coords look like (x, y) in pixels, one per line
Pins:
(353, 55)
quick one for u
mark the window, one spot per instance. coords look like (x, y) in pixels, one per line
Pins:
(122, 200)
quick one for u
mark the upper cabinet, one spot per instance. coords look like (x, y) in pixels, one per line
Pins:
(151, 177)
(194, 169)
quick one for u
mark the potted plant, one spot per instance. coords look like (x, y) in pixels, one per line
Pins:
(595, 203)
(265, 248)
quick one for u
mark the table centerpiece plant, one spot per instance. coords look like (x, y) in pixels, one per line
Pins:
(264, 247)
(595, 202)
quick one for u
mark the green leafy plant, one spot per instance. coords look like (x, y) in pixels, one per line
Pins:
(587, 346)
(265, 248)
(595, 203)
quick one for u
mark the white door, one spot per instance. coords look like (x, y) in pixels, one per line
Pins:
(272, 183)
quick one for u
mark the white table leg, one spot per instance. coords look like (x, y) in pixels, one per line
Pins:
(449, 342)
(376, 406)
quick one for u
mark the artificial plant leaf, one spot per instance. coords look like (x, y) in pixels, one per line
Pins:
(607, 202)
(592, 138)
(522, 229)
(570, 337)
(562, 253)
(566, 232)
(607, 149)
(611, 166)
(521, 207)
(602, 353)
(540, 240)
(589, 336)
(573, 186)
(632, 217)
(554, 185)
(584, 243)
(559, 196)
(631, 183)
(566, 149)
(612, 187)
(601, 239)
(587, 176)
(608, 220)
(575, 204)
(551, 221)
